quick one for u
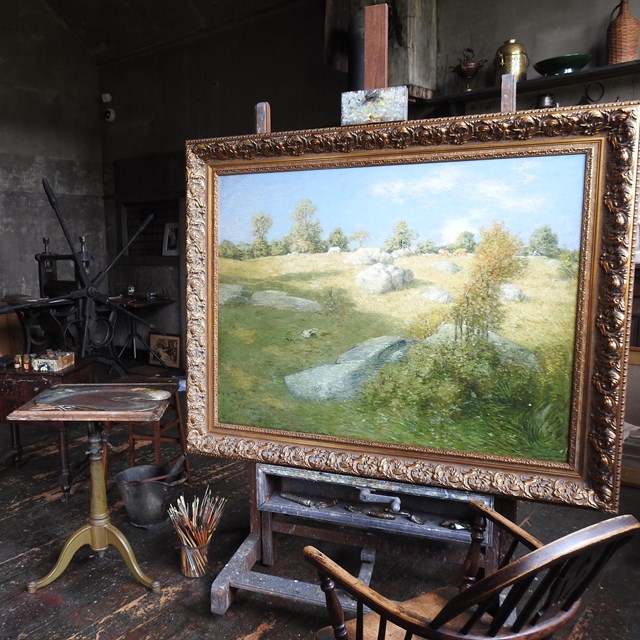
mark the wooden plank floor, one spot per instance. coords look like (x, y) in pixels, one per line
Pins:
(96, 597)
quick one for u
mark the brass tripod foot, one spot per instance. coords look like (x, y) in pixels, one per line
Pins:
(83, 536)
(99, 533)
(77, 539)
(116, 538)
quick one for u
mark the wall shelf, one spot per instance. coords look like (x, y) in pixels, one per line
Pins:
(542, 83)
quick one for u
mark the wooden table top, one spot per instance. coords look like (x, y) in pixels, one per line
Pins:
(105, 402)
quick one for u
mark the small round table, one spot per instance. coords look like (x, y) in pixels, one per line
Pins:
(95, 403)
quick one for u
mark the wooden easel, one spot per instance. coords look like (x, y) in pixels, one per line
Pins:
(334, 508)
(271, 511)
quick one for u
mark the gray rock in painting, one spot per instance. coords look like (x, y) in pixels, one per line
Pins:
(233, 294)
(334, 382)
(376, 352)
(282, 300)
(344, 379)
(402, 253)
(334, 250)
(436, 294)
(369, 255)
(446, 266)
(506, 348)
(380, 278)
(511, 293)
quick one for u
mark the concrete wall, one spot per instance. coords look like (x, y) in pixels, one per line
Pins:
(208, 87)
(50, 122)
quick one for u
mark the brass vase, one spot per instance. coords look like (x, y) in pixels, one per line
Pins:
(622, 35)
(511, 57)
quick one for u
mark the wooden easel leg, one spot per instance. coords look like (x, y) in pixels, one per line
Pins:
(243, 560)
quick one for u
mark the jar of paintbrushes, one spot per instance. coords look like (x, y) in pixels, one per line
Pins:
(195, 524)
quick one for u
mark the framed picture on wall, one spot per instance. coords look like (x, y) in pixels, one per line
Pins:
(442, 302)
(170, 241)
(166, 348)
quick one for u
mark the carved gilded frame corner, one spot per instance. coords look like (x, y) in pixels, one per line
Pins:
(606, 136)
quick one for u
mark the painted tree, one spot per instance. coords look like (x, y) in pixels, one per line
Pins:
(305, 235)
(427, 246)
(226, 249)
(465, 241)
(279, 247)
(496, 261)
(261, 223)
(337, 238)
(544, 242)
(359, 236)
(401, 238)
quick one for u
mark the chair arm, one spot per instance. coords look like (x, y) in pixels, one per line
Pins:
(517, 532)
(384, 607)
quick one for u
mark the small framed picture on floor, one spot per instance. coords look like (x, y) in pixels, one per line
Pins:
(165, 348)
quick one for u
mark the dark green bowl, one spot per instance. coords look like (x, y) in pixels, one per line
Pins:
(562, 64)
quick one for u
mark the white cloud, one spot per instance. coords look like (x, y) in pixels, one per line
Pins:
(452, 228)
(439, 179)
(506, 197)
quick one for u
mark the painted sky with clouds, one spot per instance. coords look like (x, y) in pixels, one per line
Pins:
(439, 200)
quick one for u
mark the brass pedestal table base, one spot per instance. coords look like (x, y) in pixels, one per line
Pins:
(99, 533)
(105, 404)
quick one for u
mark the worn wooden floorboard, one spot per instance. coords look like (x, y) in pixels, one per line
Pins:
(97, 598)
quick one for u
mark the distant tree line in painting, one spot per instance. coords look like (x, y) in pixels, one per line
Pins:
(306, 236)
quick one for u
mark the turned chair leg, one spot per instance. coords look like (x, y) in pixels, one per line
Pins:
(336, 614)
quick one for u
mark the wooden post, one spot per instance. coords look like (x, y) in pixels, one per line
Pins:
(376, 37)
(263, 117)
(508, 93)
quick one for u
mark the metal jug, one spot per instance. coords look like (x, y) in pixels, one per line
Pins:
(511, 58)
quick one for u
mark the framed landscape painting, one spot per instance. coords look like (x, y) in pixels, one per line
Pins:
(439, 302)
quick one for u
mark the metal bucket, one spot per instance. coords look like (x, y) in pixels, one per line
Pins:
(145, 499)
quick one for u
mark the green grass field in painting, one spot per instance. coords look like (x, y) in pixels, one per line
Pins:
(259, 346)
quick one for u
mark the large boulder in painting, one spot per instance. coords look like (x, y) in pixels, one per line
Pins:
(380, 278)
(507, 349)
(344, 379)
(282, 300)
(369, 255)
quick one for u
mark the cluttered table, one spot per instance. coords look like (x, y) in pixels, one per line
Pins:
(19, 385)
(95, 404)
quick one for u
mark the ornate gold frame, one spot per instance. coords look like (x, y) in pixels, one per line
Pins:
(608, 135)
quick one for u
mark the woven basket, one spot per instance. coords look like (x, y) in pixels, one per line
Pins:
(622, 35)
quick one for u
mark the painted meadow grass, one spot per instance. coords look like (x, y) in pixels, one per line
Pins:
(259, 346)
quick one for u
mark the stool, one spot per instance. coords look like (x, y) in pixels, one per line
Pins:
(169, 429)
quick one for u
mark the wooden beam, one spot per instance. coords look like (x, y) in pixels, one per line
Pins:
(376, 38)
(263, 117)
(508, 93)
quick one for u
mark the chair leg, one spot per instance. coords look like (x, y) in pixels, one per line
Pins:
(156, 442)
(336, 613)
(132, 446)
(182, 434)
(158, 436)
